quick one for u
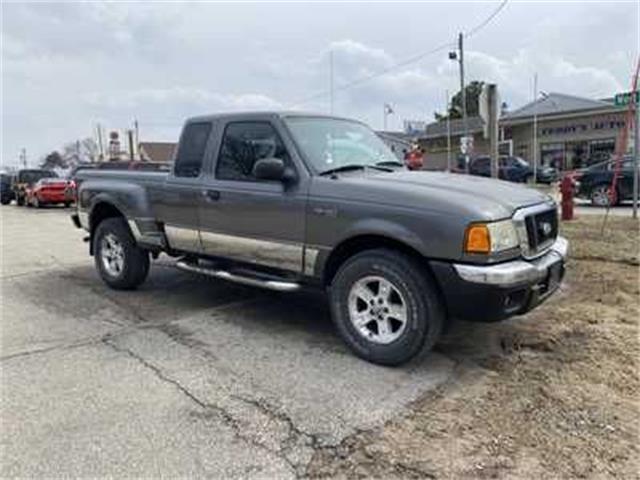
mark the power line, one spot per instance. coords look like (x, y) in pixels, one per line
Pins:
(488, 20)
(403, 63)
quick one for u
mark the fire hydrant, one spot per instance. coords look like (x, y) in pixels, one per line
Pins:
(566, 189)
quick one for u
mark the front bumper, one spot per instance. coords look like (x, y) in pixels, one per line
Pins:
(495, 292)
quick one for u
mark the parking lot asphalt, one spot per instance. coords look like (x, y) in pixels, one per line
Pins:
(184, 377)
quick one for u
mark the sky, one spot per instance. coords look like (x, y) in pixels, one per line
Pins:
(68, 66)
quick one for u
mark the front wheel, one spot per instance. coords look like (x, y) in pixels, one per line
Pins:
(121, 263)
(385, 307)
(601, 196)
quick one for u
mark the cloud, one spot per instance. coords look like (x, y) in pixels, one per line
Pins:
(172, 105)
(66, 66)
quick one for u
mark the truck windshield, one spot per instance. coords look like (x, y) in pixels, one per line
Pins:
(331, 144)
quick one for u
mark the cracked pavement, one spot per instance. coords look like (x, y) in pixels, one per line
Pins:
(184, 377)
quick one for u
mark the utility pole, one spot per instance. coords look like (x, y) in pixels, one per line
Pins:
(464, 98)
(459, 57)
(331, 82)
(130, 141)
(448, 132)
(23, 157)
(534, 143)
(137, 138)
(100, 144)
(492, 124)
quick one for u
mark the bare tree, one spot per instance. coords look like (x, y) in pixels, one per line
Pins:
(53, 160)
(81, 151)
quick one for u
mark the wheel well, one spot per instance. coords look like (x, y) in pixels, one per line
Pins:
(358, 244)
(100, 212)
(361, 243)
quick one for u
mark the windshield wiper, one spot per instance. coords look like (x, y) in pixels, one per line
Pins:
(352, 166)
(389, 163)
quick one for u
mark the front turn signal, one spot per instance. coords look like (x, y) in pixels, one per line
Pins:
(477, 239)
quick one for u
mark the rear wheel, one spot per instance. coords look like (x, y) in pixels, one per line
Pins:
(385, 307)
(121, 263)
(5, 200)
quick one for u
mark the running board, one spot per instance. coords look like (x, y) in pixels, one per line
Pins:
(254, 281)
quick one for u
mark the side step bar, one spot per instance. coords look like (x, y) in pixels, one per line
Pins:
(254, 281)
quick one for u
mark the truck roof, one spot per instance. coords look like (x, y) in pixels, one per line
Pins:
(240, 116)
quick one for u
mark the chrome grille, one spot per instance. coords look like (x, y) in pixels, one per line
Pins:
(537, 228)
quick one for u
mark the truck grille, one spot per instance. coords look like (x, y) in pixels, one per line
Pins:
(542, 230)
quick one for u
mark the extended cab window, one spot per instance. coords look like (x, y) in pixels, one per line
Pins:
(191, 150)
(243, 144)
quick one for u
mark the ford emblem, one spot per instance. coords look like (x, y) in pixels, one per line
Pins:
(546, 228)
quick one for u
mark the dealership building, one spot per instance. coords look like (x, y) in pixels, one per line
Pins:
(571, 132)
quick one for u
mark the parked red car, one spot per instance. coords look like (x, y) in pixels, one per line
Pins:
(49, 191)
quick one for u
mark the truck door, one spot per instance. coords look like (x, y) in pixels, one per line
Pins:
(177, 203)
(247, 219)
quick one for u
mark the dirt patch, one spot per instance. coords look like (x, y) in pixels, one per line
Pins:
(553, 394)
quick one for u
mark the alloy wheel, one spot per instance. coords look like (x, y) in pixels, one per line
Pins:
(377, 309)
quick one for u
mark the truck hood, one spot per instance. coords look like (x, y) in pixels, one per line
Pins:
(483, 198)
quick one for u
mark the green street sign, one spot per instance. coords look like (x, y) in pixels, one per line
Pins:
(622, 99)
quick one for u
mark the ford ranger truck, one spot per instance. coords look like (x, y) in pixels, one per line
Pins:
(286, 201)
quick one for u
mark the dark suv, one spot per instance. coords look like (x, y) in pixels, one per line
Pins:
(513, 169)
(594, 183)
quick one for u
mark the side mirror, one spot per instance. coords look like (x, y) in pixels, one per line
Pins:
(272, 169)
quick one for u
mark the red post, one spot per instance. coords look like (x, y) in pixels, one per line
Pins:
(566, 189)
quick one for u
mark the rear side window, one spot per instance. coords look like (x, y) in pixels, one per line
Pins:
(482, 163)
(245, 143)
(191, 150)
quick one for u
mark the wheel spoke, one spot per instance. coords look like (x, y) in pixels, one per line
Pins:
(385, 289)
(363, 293)
(361, 319)
(398, 312)
(384, 330)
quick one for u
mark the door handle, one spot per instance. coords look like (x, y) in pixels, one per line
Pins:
(212, 195)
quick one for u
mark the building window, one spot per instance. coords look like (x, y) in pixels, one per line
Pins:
(601, 150)
(552, 155)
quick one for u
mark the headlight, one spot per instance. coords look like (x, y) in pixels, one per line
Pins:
(490, 237)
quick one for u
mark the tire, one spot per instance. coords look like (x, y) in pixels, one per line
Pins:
(599, 196)
(424, 314)
(20, 201)
(129, 264)
(5, 201)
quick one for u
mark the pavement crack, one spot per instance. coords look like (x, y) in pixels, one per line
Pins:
(158, 372)
(226, 417)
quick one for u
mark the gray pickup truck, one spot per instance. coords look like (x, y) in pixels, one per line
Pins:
(288, 200)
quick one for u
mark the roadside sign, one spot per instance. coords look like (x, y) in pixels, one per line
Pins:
(466, 145)
(622, 99)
